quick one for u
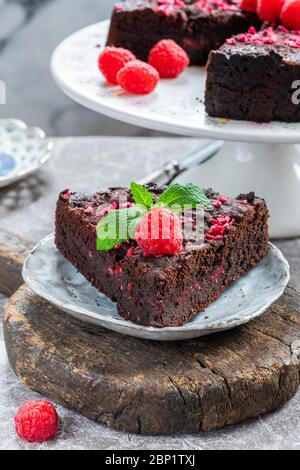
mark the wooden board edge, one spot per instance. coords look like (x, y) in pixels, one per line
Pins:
(208, 398)
(13, 252)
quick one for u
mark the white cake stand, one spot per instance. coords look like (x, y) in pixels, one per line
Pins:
(259, 157)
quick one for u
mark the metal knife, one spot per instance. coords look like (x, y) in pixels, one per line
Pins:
(171, 170)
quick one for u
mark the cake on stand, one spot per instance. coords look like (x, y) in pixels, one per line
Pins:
(260, 157)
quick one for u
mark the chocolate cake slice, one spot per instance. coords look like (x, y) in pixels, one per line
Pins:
(196, 25)
(164, 291)
(253, 77)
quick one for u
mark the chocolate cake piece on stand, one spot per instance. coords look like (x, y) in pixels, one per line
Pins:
(253, 77)
(197, 26)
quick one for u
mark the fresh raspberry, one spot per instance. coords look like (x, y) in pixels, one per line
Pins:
(269, 10)
(36, 421)
(249, 5)
(290, 14)
(138, 78)
(112, 60)
(169, 59)
(160, 233)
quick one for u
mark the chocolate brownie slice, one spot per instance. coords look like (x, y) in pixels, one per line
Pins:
(197, 26)
(252, 77)
(170, 290)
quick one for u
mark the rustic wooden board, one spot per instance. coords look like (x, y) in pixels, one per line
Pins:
(144, 387)
(155, 388)
(13, 251)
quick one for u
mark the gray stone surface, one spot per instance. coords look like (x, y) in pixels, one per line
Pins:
(27, 209)
(83, 164)
(29, 32)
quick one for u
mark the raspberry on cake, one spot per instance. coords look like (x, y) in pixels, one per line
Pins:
(166, 288)
(269, 10)
(290, 14)
(160, 233)
(249, 5)
(251, 77)
(198, 26)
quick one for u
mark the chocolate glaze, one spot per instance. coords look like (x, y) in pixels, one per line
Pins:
(255, 82)
(197, 31)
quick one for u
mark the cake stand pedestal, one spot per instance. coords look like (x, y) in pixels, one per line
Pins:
(272, 170)
(258, 157)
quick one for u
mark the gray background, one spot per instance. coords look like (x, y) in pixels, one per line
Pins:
(29, 32)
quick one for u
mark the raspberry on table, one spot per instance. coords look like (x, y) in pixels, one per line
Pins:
(138, 78)
(290, 14)
(37, 421)
(168, 58)
(160, 233)
(112, 60)
(269, 10)
(249, 5)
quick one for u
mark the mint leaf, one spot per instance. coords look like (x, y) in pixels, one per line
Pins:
(112, 230)
(118, 226)
(141, 195)
(182, 197)
(132, 226)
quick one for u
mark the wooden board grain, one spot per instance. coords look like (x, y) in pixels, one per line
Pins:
(150, 387)
(142, 386)
(13, 251)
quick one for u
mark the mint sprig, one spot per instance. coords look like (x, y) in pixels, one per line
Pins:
(120, 225)
(179, 197)
(141, 195)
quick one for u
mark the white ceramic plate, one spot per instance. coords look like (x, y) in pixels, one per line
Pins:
(23, 149)
(176, 106)
(52, 277)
